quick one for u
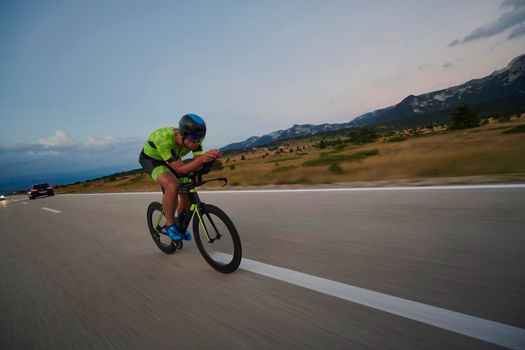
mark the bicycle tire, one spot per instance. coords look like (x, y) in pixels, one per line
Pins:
(224, 263)
(154, 231)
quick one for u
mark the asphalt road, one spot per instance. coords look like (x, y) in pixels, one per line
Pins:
(87, 274)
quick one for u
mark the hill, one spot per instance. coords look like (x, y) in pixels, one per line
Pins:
(500, 93)
(492, 152)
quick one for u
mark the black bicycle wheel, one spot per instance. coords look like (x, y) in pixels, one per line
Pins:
(223, 251)
(162, 241)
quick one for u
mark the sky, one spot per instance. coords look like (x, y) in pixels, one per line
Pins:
(83, 83)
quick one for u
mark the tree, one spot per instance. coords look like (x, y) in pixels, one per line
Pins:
(322, 144)
(464, 117)
(363, 135)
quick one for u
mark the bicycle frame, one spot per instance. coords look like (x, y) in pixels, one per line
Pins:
(203, 225)
(196, 207)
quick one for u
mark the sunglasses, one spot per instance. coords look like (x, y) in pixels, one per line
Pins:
(195, 138)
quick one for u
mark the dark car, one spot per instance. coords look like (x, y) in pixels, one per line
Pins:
(40, 190)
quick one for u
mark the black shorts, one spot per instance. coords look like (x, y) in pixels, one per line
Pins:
(154, 167)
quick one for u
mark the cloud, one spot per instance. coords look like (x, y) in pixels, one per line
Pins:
(509, 20)
(517, 32)
(447, 65)
(60, 154)
(93, 142)
(42, 153)
(454, 43)
(59, 139)
(513, 3)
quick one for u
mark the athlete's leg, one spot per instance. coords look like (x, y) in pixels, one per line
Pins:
(184, 202)
(169, 182)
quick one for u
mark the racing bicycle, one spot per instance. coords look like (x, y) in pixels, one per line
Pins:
(214, 232)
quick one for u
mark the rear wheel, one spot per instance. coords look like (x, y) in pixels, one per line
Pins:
(156, 221)
(221, 248)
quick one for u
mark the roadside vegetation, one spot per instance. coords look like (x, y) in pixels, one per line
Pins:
(467, 147)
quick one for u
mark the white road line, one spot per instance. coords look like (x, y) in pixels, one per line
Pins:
(51, 210)
(25, 203)
(346, 189)
(364, 189)
(489, 331)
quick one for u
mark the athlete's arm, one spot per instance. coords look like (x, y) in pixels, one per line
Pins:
(185, 168)
(216, 153)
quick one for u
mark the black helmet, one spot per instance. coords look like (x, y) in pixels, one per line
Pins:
(193, 127)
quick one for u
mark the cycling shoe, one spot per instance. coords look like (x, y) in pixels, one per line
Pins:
(187, 235)
(174, 234)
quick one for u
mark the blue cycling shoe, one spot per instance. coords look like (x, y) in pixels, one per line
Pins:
(174, 234)
(187, 234)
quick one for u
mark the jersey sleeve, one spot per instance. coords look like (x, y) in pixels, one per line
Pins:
(199, 151)
(164, 147)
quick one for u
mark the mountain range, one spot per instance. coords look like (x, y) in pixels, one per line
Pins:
(502, 92)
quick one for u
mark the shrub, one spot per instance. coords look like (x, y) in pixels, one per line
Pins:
(335, 168)
(217, 165)
(336, 158)
(232, 167)
(396, 138)
(243, 157)
(504, 119)
(516, 129)
(322, 144)
(363, 135)
(464, 117)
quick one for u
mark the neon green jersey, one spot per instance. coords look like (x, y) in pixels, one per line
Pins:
(161, 145)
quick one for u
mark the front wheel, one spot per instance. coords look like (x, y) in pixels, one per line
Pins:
(217, 239)
(156, 221)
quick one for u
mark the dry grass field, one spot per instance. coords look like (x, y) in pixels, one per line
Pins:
(484, 154)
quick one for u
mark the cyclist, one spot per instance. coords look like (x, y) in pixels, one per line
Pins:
(161, 158)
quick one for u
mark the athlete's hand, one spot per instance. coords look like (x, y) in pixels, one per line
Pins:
(217, 153)
(209, 156)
